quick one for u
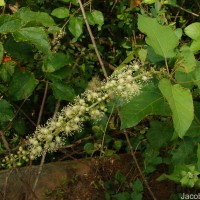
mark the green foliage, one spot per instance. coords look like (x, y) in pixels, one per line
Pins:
(161, 38)
(193, 31)
(181, 104)
(149, 102)
(48, 42)
(22, 85)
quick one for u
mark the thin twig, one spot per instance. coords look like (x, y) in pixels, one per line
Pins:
(38, 122)
(39, 171)
(42, 105)
(92, 39)
(188, 11)
(138, 167)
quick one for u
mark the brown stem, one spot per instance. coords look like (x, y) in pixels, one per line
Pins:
(43, 101)
(138, 167)
(92, 38)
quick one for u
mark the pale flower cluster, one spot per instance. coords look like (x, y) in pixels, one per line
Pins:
(123, 85)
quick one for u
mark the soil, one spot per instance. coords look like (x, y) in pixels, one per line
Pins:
(82, 179)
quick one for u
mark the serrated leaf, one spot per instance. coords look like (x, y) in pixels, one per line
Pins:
(54, 62)
(9, 24)
(22, 85)
(75, 27)
(1, 52)
(62, 91)
(181, 104)
(26, 15)
(149, 102)
(35, 36)
(161, 38)
(193, 31)
(6, 111)
(98, 17)
(60, 12)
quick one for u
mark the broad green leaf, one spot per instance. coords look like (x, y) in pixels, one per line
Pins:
(181, 104)
(7, 70)
(186, 61)
(60, 12)
(24, 51)
(6, 111)
(2, 3)
(9, 24)
(22, 85)
(26, 15)
(62, 91)
(149, 102)
(161, 38)
(54, 62)
(193, 31)
(98, 17)
(35, 36)
(1, 52)
(185, 79)
(90, 18)
(75, 27)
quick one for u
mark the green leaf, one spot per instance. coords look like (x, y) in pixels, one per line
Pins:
(22, 85)
(159, 134)
(185, 79)
(137, 186)
(98, 17)
(193, 31)
(2, 3)
(149, 1)
(35, 36)
(184, 154)
(89, 148)
(60, 12)
(21, 51)
(198, 157)
(62, 91)
(149, 102)
(90, 18)
(26, 15)
(54, 62)
(181, 104)
(6, 111)
(9, 24)
(161, 38)
(75, 27)
(186, 61)
(6, 70)
(1, 52)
